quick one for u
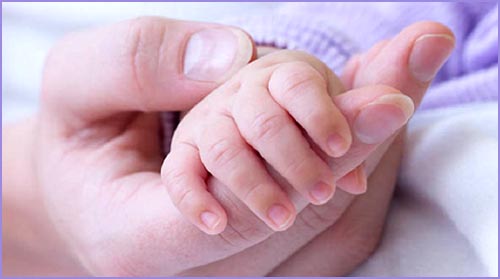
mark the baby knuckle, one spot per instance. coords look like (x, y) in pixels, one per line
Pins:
(299, 168)
(314, 117)
(221, 153)
(266, 126)
(295, 78)
(252, 190)
(184, 197)
(172, 176)
(176, 187)
(238, 177)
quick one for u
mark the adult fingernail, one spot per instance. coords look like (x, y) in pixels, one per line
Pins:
(361, 179)
(337, 145)
(429, 53)
(321, 193)
(354, 182)
(209, 219)
(279, 215)
(378, 120)
(216, 53)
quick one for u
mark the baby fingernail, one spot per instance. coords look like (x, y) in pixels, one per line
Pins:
(337, 145)
(279, 215)
(214, 53)
(321, 193)
(378, 120)
(209, 219)
(429, 53)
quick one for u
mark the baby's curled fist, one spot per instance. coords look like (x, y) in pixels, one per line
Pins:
(276, 112)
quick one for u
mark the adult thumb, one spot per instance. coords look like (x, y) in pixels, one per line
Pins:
(144, 64)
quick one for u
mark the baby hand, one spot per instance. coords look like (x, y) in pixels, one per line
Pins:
(260, 114)
(263, 109)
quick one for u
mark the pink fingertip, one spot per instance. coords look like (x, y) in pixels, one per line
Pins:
(279, 215)
(337, 145)
(210, 219)
(321, 193)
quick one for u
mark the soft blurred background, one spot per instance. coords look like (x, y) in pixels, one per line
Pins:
(30, 29)
(444, 216)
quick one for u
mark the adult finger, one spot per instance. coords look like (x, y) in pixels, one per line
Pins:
(342, 247)
(144, 64)
(375, 113)
(354, 182)
(409, 61)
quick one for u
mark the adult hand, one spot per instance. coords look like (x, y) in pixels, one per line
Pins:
(333, 239)
(408, 62)
(97, 156)
(94, 151)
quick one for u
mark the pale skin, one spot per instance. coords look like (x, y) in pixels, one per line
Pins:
(82, 192)
(263, 107)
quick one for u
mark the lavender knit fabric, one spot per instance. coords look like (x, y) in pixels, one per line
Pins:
(335, 31)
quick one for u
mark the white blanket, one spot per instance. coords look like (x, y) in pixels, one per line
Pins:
(444, 218)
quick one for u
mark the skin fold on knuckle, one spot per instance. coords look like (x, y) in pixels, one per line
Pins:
(297, 56)
(220, 153)
(253, 194)
(266, 126)
(289, 80)
(304, 169)
(315, 121)
(175, 180)
(244, 227)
